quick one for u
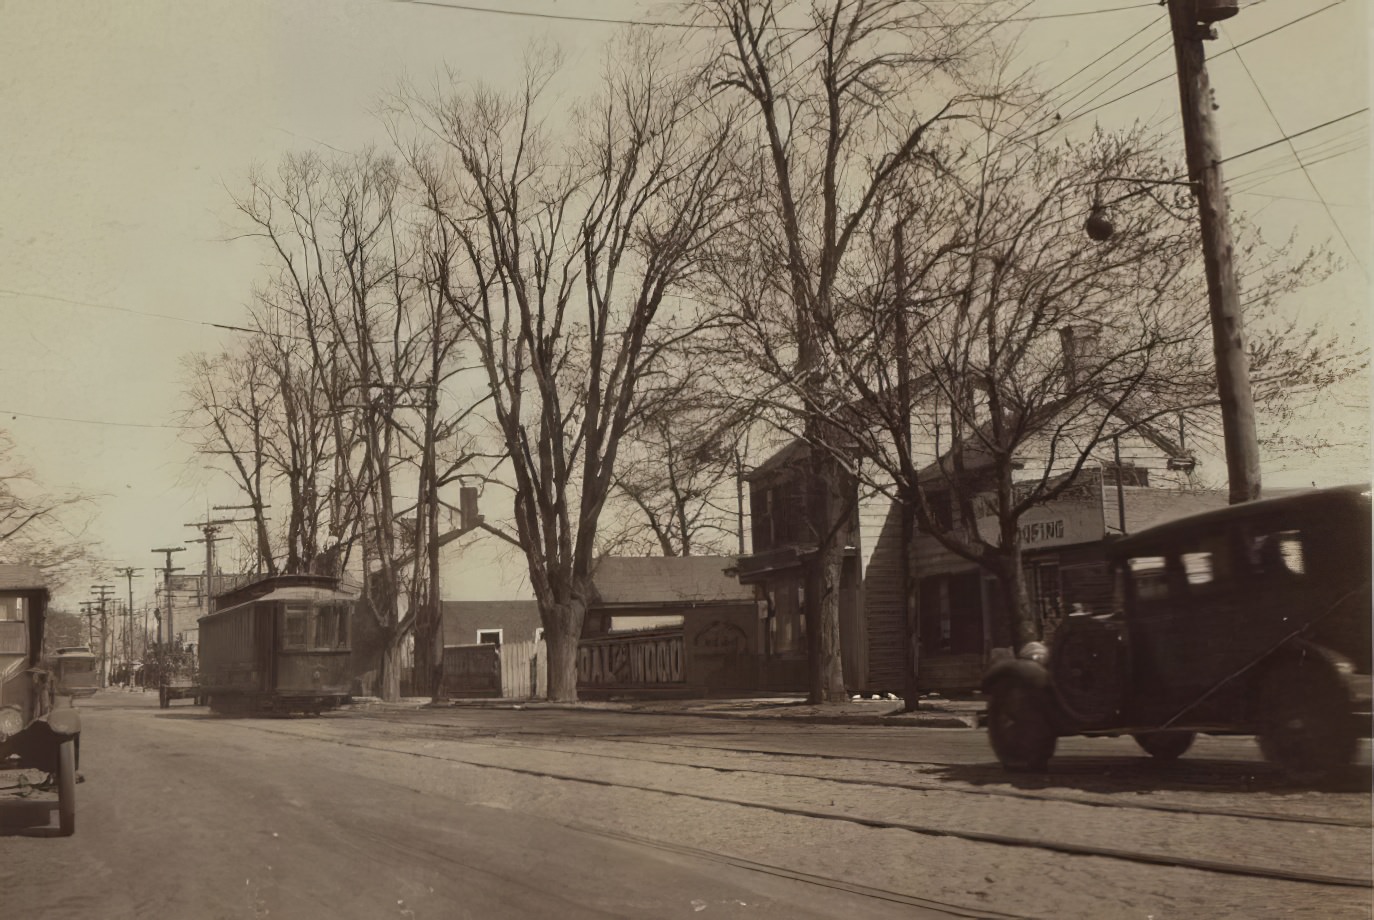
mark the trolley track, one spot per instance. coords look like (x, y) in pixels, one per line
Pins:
(434, 731)
(1008, 840)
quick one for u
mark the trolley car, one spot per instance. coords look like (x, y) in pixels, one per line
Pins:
(279, 644)
(74, 669)
(39, 731)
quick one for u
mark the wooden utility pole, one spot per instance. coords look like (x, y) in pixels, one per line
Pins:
(1223, 286)
(103, 593)
(128, 573)
(164, 624)
(906, 568)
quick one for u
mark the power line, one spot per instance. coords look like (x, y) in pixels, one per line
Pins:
(1288, 139)
(1170, 76)
(702, 26)
(104, 306)
(89, 421)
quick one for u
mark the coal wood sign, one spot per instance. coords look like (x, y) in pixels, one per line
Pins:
(653, 660)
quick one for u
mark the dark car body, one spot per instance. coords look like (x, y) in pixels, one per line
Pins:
(39, 730)
(1251, 619)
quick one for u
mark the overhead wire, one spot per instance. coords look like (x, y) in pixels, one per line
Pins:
(1079, 114)
(1340, 231)
(668, 24)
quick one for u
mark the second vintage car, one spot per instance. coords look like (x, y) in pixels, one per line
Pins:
(1252, 619)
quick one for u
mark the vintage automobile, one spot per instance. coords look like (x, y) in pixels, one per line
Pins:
(39, 730)
(75, 671)
(1251, 619)
(280, 644)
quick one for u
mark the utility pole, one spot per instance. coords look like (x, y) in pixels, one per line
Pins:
(259, 522)
(128, 573)
(911, 600)
(103, 594)
(88, 611)
(164, 625)
(210, 529)
(1191, 22)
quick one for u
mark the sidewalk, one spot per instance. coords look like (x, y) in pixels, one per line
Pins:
(934, 711)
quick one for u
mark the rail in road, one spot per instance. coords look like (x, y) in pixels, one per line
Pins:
(782, 767)
(597, 768)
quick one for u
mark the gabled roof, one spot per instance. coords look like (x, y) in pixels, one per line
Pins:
(660, 580)
(15, 577)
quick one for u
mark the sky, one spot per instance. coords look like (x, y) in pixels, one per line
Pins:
(126, 128)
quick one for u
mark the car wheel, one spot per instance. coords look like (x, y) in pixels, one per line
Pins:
(1019, 727)
(66, 787)
(1305, 726)
(1165, 745)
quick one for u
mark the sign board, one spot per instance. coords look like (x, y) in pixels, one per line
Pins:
(1060, 523)
(652, 660)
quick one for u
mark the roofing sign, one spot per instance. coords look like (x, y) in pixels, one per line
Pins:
(1061, 523)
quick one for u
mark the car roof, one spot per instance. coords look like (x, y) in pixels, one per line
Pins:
(1351, 496)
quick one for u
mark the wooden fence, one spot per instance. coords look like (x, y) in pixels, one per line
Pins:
(523, 667)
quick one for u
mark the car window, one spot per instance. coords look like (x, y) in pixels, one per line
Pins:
(1277, 555)
(1198, 568)
(1150, 576)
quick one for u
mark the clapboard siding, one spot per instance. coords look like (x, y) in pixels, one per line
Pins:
(885, 623)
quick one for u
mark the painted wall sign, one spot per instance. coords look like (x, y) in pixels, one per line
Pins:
(632, 661)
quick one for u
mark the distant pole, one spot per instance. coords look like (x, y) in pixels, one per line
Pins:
(129, 576)
(911, 600)
(103, 593)
(1120, 490)
(165, 632)
(1223, 287)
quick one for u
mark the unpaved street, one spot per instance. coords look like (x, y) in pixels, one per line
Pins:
(487, 813)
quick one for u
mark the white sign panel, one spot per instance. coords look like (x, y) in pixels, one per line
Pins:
(1062, 523)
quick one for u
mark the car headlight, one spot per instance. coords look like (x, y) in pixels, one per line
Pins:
(11, 722)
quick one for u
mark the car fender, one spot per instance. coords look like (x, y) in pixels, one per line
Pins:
(1032, 673)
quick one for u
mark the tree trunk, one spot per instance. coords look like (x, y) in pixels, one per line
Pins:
(823, 580)
(562, 633)
(389, 680)
(1020, 616)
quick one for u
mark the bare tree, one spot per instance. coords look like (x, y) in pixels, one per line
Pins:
(39, 525)
(350, 286)
(836, 88)
(565, 260)
(996, 349)
(680, 473)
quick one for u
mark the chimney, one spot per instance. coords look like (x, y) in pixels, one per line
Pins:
(1080, 346)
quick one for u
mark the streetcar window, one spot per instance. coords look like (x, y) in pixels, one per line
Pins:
(326, 628)
(294, 626)
(345, 618)
(11, 608)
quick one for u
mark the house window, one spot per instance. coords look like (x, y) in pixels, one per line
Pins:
(489, 637)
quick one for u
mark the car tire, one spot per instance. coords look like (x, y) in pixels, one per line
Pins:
(1165, 746)
(1020, 727)
(1305, 726)
(66, 787)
